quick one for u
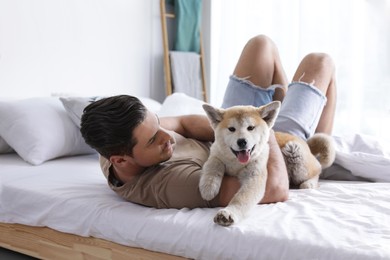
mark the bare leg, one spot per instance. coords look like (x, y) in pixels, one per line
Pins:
(319, 69)
(260, 62)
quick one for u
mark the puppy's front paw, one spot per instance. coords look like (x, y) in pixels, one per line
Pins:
(208, 187)
(225, 218)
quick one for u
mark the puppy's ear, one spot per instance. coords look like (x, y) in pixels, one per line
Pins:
(269, 112)
(215, 115)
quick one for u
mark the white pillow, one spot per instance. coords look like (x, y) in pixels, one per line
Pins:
(4, 147)
(39, 129)
(179, 104)
(151, 104)
(75, 106)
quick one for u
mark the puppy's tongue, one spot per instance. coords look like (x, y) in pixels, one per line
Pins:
(243, 156)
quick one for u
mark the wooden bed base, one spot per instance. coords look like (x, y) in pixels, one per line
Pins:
(46, 243)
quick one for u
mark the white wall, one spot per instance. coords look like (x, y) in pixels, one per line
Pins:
(81, 47)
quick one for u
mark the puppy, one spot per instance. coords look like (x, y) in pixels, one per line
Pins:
(241, 149)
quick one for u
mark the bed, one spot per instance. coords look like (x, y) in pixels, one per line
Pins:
(62, 208)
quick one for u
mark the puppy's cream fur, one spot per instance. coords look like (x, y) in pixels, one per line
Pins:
(241, 149)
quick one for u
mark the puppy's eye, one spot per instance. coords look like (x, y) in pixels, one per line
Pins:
(250, 128)
(232, 129)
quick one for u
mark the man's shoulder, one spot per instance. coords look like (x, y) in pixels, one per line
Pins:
(105, 165)
(190, 150)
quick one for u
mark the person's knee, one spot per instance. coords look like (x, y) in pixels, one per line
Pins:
(261, 41)
(319, 59)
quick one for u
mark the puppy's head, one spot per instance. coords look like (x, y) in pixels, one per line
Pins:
(243, 130)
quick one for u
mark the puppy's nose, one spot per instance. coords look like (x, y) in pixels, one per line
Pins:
(241, 143)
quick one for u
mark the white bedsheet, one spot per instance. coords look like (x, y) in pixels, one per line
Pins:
(340, 220)
(363, 156)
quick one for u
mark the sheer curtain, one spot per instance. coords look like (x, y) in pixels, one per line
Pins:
(356, 33)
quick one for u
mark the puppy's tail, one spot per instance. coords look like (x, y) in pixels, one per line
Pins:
(323, 148)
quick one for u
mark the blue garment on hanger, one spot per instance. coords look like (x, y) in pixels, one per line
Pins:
(188, 17)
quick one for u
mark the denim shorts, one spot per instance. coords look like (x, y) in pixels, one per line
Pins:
(240, 91)
(301, 107)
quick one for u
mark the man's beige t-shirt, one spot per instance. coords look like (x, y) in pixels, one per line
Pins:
(171, 184)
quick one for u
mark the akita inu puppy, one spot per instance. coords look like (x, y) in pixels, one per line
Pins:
(241, 149)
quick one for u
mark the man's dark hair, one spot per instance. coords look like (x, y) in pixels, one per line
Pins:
(107, 124)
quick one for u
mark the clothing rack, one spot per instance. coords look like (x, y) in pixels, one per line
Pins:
(167, 63)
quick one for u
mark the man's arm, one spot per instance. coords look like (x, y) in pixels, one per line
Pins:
(277, 185)
(190, 126)
(198, 127)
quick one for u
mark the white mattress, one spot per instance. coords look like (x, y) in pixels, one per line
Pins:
(340, 220)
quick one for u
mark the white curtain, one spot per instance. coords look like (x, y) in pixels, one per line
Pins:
(356, 33)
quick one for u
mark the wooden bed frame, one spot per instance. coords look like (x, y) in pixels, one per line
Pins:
(46, 243)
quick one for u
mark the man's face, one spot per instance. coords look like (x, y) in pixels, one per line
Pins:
(154, 144)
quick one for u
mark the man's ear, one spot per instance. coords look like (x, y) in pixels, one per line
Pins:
(215, 115)
(119, 159)
(270, 112)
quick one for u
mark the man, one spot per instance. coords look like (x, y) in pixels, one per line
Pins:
(157, 162)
